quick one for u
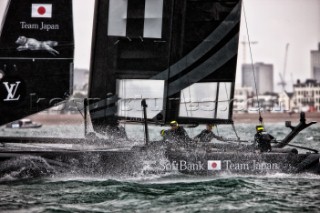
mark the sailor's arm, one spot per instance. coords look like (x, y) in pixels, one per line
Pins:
(199, 136)
(220, 138)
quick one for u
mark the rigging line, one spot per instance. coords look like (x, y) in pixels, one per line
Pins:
(190, 100)
(166, 92)
(184, 98)
(142, 123)
(233, 126)
(121, 103)
(251, 57)
(225, 87)
(78, 109)
(217, 130)
(185, 104)
(125, 95)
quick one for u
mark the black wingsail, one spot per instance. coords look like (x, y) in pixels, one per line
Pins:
(179, 55)
(36, 56)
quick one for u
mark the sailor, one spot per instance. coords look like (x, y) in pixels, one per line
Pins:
(207, 135)
(164, 134)
(263, 139)
(175, 134)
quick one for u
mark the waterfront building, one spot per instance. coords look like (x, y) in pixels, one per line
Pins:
(307, 95)
(266, 102)
(263, 77)
(242, 99)
(286, 101)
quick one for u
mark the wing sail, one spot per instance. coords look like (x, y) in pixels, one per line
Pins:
(36, 57)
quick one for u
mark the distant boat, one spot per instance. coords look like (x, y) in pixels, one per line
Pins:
(23, 124)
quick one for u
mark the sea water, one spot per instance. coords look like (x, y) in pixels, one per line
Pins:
(170, 192)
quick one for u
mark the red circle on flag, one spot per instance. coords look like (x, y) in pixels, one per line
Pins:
(214, 165)
(41, 10)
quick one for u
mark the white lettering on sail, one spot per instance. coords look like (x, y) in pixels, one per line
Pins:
(43, 26)
(48, 27)
(12, 90)
(25, 25)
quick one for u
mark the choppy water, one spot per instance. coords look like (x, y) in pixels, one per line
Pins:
(176, 193)
(167, 193)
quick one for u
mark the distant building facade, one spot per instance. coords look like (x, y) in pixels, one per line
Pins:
(263, 76)
(315, 63)
(286, 101)
(307, 95)
(266, 102)
(242, 99)
(245, 100)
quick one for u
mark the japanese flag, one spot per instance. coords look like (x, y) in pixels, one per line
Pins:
(214, 165)
(41, 11)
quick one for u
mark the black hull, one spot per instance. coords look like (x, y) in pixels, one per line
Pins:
(156, 159)
(92, 160)
(243, 160)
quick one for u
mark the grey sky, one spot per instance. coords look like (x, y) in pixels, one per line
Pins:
(272, 23)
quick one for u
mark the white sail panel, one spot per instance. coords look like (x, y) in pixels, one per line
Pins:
(153, 19)
(117, 25)
(224, 100)
(131, 92)
(198, 101)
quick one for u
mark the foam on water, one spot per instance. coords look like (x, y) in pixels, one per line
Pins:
(29, 167)
(72, 191)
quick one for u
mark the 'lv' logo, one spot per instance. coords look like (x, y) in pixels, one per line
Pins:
(12, 90)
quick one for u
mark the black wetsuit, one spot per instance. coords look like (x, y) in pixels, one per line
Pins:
(206, 136)
(263, 139)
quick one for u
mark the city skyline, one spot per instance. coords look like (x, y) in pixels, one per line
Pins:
(271, 25)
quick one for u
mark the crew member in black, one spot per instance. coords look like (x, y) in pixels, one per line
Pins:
(263, 139)
(175, 134)
(207, 135)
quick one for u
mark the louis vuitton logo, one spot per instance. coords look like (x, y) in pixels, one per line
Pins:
(12, 90)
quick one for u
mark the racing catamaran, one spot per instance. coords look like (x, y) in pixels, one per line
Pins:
(153, 61)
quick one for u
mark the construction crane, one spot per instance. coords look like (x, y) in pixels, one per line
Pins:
(282, 75)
